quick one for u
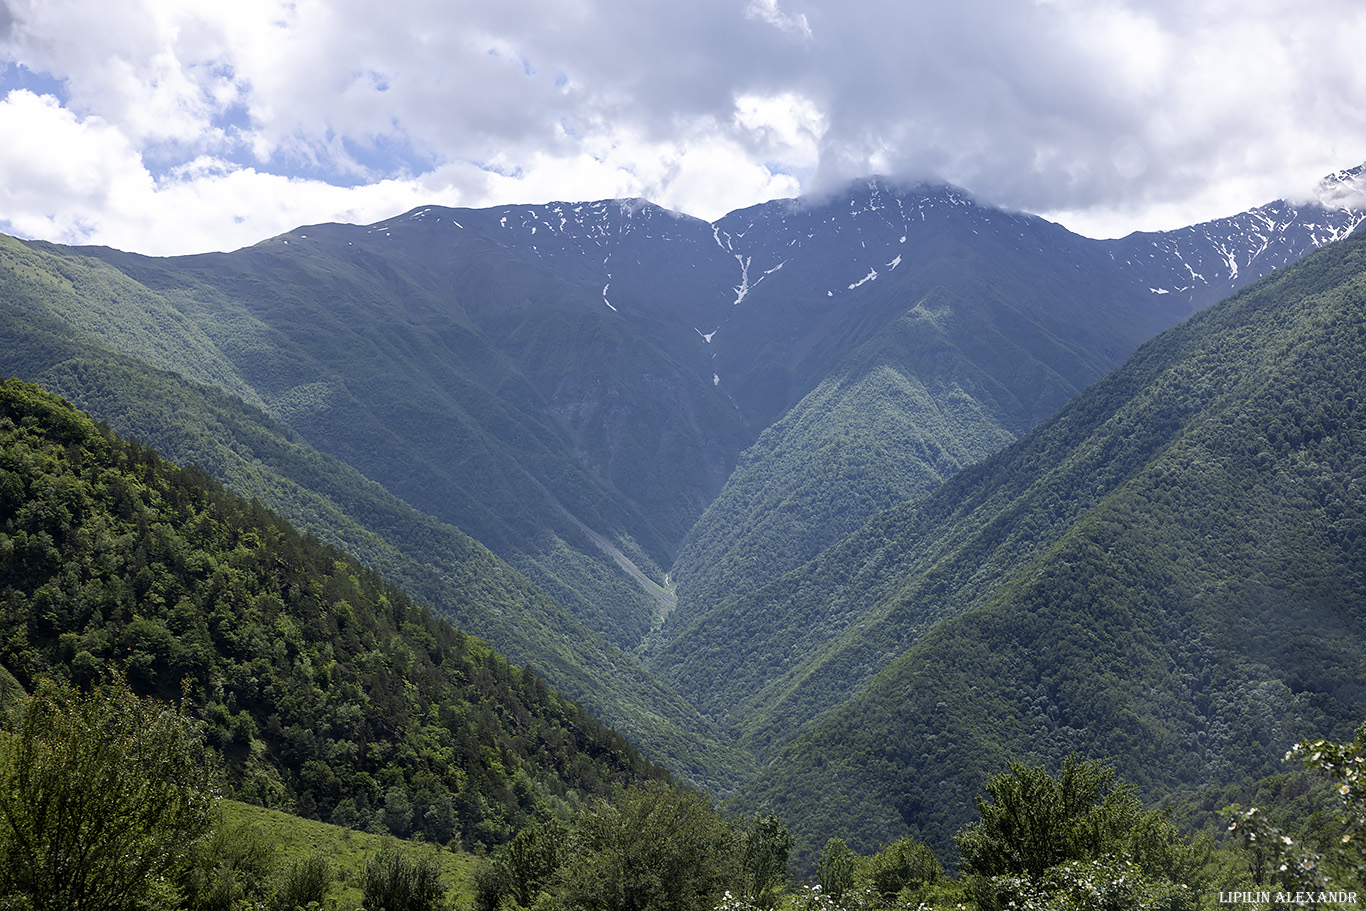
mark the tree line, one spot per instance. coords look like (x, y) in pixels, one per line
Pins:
(107, 801)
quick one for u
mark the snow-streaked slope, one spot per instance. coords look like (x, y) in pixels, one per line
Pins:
(1206, 262)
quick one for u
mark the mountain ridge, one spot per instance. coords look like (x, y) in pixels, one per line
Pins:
(1039, 283)
(574, 386)
(1169, 572)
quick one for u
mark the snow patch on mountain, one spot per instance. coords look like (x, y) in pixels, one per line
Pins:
(872, 275)
(1343, 189)
(1208, 261)
(742, 289)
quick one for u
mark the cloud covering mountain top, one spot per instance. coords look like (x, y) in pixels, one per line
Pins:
(169, 127)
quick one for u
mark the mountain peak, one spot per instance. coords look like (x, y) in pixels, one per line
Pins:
(1344, 189)
(881, 187)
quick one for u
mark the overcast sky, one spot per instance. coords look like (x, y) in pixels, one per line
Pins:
(174, 126)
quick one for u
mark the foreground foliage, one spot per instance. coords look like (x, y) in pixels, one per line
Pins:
(103, 798)
(116, 793)
(271, 860)
(1043, 835)
(395, 882)
(1296, 864)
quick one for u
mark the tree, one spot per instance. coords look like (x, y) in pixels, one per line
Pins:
(904, 864)
(1036, 821)
(1288, 862)
(1045, 842)
(524, 866)
(836, 869)
(102, 797)
(1345, 764)
(229, 869)
(764, 847)
(659, 848)
(392, 881)
(303, 882)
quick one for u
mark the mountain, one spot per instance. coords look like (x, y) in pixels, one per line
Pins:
(1171, 573)
(1207, 262)
(892, 338)
(42, 292)
(327, 692)
(918, 331)
(572, 384)
(387, 371)
(597, 432)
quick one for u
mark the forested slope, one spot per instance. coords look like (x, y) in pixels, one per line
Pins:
(260, 458)
(377, 371)
(1171, 572)
(571, 384)
(329, 693)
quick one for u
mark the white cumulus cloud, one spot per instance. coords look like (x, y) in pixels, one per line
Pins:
(166, 126)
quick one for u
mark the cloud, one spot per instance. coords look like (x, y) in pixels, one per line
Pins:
(1107, 116)
(81, 181)
(768, 11)
(58, 170)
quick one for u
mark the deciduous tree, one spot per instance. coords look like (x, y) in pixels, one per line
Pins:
(764, 847)
(102, 797)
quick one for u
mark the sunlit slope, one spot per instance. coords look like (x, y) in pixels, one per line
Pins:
(326, 691)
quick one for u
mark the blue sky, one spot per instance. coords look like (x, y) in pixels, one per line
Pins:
(169, 126)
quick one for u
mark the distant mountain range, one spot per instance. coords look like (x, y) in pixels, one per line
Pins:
(675, 465)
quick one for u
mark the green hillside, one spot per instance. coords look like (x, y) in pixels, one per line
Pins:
(959, 371)
(259, 457)
(408, 393)
(329, 693)
(478, 385)
(12, 694)
(290, 840)
(1171, 573)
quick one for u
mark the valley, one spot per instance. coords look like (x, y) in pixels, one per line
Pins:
(914, 484)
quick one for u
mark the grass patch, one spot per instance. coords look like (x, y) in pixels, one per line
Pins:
(295, 839)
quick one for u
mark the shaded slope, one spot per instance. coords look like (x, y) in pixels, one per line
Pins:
(986, 324)
(595, 304)
(374, 369)
(1171, 573)
(437, 563)
(473, 371)
(914, 330)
